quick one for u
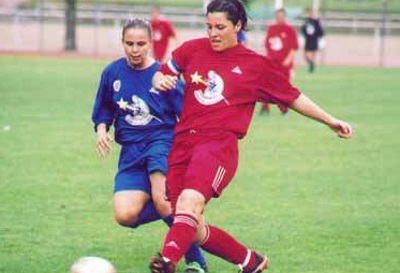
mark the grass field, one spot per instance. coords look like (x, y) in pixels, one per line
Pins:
(314, 203)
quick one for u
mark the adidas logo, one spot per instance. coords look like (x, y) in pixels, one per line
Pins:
(172, 244)
(237, 70)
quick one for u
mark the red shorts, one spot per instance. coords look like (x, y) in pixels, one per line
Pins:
(205, 162)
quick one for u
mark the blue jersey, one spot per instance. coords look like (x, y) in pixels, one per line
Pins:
(125, 98)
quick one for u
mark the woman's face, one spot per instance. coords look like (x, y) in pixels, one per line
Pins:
(221, 32)
(137, 44)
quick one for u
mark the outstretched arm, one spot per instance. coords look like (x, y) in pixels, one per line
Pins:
(307, 107)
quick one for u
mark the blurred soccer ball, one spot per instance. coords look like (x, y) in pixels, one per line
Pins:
(92, 265)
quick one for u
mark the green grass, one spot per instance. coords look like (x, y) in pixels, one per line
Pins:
(313, 202)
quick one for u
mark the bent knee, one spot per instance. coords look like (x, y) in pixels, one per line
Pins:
(191, 202)
(126, 219)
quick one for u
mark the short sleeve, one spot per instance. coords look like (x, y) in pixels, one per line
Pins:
(177, 64)
(103, 109)
(171, 30)
(272, 86)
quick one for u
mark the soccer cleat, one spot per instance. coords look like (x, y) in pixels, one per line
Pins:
(194, 267)
(158, 264)
(262, 263)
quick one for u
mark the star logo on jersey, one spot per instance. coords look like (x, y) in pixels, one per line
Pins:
(138, 111)
(122, 104)
(214, 88)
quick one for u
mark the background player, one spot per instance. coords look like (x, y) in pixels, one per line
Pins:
(144, 120)
(163, 32)
(312, 32)
(224, 80)
(281, 45)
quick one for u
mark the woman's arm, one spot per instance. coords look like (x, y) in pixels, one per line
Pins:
(307, 107)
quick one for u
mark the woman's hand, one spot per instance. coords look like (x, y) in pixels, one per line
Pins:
(343, 129)
(103, 142)
(163, 82)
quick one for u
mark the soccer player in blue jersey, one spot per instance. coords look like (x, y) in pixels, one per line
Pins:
(144, 120)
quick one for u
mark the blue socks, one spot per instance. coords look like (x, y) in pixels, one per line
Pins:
(148, 214)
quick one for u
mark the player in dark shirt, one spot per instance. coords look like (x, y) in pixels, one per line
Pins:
(312, 32)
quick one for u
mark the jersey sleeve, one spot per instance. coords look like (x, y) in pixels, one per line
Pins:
(171, 30)
(272, 86)
(177, 64)
(103, 110)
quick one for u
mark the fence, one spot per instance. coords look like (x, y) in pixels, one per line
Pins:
(356, 38)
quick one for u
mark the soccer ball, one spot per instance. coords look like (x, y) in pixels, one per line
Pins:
(92, 265)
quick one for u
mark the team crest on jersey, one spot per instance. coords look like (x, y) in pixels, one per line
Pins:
(275, 43)
(310, 29)
(213, 93)
(157, 36)
(117, 85)
(139, 111)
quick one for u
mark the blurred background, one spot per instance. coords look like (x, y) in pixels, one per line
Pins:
(358, 32)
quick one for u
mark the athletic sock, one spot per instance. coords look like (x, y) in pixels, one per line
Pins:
(147, 215)
(169, 220)
(312, 66)
(180, 237)
(194, 253)
(223, 245)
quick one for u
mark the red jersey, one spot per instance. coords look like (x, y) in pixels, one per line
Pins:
(281, 38)
(162, 32)
(221, 88)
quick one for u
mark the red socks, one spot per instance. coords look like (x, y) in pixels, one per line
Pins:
(223, 245)
(180, 237)
(217, 242)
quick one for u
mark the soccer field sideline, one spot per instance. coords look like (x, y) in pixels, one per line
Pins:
(320, 203)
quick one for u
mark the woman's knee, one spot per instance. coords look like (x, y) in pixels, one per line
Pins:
(191, 202)
(128, 206)
(126, 218)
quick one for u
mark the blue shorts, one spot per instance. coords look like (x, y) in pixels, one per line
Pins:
(137, 161)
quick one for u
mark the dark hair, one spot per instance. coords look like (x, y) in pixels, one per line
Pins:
(234, 8)
(137, 23)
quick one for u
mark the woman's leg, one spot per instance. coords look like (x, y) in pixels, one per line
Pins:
(132, 208)
(158, 193)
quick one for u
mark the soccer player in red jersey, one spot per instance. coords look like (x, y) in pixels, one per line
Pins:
(163, 32)
(281, 45)
(224, 80)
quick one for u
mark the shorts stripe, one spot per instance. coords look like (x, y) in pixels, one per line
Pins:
(219, 176)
